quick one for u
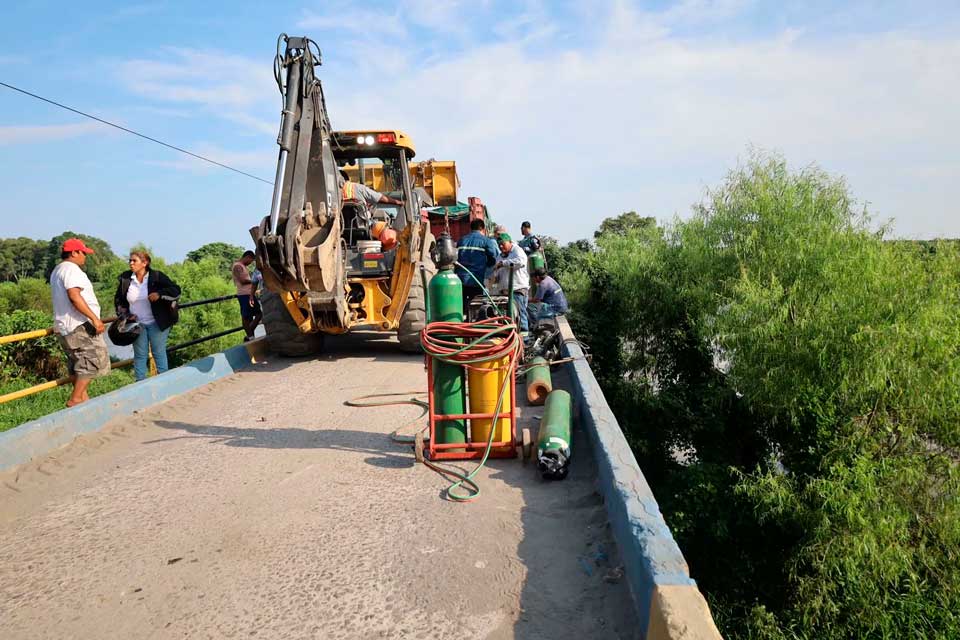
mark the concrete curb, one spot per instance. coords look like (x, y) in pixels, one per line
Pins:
(43, 435)
(667, 600)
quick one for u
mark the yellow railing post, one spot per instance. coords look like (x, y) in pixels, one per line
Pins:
(26, 335)
(52, 384)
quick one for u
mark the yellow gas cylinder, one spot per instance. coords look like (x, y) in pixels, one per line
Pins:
(484, 382)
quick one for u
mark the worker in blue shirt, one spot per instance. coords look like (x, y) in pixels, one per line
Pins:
(529, 243)
(549, 301)
(476, 253)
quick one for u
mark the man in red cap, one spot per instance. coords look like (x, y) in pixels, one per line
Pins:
(76, 319)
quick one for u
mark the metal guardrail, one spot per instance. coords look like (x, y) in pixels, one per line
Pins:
(53, 384)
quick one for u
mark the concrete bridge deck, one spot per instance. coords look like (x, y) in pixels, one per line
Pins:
(261, 506)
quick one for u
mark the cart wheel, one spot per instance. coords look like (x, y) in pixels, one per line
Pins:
(527, 445)
(418, 446)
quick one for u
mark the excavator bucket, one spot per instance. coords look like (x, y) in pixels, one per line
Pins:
(299, 246)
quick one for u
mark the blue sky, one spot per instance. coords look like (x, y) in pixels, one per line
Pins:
(563, 113)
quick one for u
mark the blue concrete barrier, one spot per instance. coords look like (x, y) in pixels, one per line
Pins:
(43, 435)
(667, 600)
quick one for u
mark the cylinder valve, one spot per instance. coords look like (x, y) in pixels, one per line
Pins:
(446, 251)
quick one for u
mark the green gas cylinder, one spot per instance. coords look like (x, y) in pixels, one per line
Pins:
(449, 391)
(553, 440)
(536, 261)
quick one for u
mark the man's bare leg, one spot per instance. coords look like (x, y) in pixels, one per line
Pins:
(79, 392)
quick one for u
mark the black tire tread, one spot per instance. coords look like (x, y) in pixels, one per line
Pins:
(414, 317)
(283, 335)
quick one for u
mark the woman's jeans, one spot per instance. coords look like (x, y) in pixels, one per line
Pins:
(156, 338)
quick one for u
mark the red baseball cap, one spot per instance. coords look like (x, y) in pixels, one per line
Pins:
(76, 244)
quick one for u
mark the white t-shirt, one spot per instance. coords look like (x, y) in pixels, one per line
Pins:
(66, 318)
(137, 300)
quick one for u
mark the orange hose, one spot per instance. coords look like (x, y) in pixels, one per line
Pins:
(469, 343)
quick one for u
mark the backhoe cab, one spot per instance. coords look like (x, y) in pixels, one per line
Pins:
(331, 264)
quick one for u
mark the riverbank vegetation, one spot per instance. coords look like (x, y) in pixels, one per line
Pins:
(789, 380)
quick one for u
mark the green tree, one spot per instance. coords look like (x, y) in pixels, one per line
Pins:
(619, 225)
(30, 294)
(37, 359)
(224, 253)
(563, 259)
(788, 381)
(21, 258)
(203, 280)
(96, 263)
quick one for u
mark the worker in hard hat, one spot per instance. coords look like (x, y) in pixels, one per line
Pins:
(362, 193)
(511, 255)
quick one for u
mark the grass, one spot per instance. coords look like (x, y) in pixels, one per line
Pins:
(32, 407)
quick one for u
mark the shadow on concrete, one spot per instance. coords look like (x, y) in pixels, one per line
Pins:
(362, 345)
(387, 452)
(367, 346)
(574, 586)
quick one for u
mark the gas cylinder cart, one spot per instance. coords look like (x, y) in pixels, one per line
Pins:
(469, 364)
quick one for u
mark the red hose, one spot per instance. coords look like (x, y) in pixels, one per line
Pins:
(467, 344)
(470, 343)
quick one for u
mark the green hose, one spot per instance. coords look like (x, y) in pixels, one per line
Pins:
(467, 480)
(461, 480)
(482, 288)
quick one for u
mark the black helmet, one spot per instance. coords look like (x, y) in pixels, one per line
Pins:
(124, 331)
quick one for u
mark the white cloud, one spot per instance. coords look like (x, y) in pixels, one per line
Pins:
(224, 85)
(258, 162)
(701, 11)
(17, 134)
(366, 22)
(644, 119)
(626, 112)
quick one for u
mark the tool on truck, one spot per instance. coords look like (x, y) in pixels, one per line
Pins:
(329, 261)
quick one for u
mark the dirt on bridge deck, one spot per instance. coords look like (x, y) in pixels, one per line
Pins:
(261, 506)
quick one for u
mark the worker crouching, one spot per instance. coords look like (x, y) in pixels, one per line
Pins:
(549, 300)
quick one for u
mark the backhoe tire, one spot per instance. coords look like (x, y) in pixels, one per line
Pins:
(283, 335)
(414, 317)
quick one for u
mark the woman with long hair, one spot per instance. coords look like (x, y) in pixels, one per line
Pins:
(150, 296)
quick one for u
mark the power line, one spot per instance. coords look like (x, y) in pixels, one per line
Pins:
(145, 137)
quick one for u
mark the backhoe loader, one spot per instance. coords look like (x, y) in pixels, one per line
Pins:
(332, 263)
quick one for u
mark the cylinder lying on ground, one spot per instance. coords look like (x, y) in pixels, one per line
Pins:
(539, 383)
(553, 441)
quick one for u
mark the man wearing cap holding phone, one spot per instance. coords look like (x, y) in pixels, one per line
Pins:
(76, 319)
